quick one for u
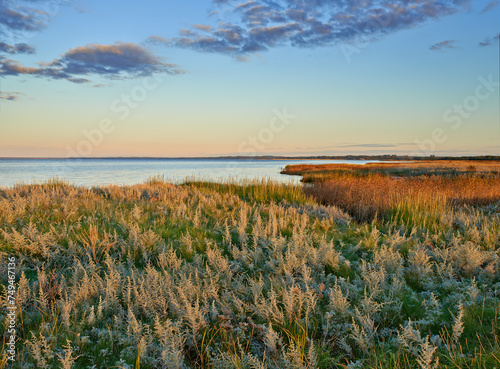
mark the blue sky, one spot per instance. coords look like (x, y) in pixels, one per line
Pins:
(176, 78)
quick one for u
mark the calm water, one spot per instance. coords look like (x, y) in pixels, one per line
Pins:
(88, 172)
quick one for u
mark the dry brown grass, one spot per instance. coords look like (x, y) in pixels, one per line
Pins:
(254, 275)
(365, 196)
(414, 167)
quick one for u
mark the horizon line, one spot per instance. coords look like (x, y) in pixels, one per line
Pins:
(256, 157)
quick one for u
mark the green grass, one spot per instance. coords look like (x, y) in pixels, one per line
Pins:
(259, 191)
(194, 275)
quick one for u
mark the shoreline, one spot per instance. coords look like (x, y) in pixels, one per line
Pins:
(273, 157)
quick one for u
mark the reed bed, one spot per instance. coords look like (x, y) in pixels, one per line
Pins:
(411, 168)
(252, 275)
(369, 195)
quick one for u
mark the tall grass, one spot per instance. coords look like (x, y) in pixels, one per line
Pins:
(259, 190)
(365, 196)
(256, 275)
(490, 168)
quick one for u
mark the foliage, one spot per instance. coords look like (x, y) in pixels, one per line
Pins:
(254, 275)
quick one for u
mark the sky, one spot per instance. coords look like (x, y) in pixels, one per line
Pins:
(90, 78)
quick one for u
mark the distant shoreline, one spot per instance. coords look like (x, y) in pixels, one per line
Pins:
(271, 157)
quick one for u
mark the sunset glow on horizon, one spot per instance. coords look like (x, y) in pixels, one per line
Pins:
(171, 79)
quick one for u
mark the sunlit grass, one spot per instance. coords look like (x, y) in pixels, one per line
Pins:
(252, 274)
(258, 190)
(367, 195)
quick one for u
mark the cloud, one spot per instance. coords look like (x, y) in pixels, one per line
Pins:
(10, 96)
(116, 61)
(18, 17)
(377, 145)
(254, 26)
(21, 48)
(491, 5)
(203, 27)
(448, 44)
(490, 40)
(126, 58)
(158, 40)
(352, 145)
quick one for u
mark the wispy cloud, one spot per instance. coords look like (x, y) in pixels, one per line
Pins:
(256, 26)
(353, 145)
(20, 48)
(117, 61)
(448, 44)
(10, 96)
(21, 16)
(373, 145)
(491, 6)
(493, 40)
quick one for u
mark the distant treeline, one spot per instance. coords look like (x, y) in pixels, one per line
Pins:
(271, 157)
(378, 157)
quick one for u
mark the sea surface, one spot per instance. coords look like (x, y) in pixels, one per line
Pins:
(92, 172)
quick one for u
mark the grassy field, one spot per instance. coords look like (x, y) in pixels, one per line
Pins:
(401, 190)
(254, 275)
(413, 168)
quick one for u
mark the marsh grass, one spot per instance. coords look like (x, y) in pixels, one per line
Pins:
(436, 167)
(365, 196)
(257, 190)
(247, 275)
